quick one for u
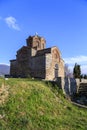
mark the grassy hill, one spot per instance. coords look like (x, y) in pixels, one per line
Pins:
(37, 105)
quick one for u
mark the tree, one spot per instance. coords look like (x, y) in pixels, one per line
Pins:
(85, 76)
(68, 72)
(82, 76)
(77, 71)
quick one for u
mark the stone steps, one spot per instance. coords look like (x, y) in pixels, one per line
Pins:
(82, 89)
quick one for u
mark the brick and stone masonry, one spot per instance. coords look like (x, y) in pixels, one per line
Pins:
(35, 60)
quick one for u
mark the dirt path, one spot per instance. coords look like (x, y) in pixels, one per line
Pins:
(3, 93)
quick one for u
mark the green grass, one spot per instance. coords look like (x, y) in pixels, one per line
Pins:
(37, 105)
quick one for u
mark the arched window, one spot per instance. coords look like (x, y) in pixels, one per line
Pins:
(56, 66)
(43, 46)
(56, 70)
(38, 43)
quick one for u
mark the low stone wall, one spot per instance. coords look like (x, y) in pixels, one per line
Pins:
(68, 85)
(83, 80)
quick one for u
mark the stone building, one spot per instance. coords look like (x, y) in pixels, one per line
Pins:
(36, 61)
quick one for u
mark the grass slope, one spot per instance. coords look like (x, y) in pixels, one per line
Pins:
(36, 105)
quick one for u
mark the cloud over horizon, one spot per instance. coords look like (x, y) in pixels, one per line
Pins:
(78, 59)
(12, 23)
(81, 60)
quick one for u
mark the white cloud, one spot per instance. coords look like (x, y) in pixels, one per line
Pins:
(81, 60)
(4, 64)
(84, 69)
(77, 59)
(12, 23)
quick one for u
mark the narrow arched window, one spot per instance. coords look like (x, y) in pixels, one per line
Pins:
(43, 46)
(56, 70)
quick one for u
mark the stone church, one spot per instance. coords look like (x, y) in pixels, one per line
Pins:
(37, 61)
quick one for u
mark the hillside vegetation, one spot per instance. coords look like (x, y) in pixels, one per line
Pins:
(37, 105)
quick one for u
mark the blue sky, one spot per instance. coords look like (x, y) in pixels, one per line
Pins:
(63, 23)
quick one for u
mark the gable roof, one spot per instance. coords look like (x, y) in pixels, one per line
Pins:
(43, 52)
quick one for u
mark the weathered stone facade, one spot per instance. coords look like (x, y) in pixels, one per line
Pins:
(72, 86)
(36, 61)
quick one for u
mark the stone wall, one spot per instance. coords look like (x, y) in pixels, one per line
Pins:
(61, 69)
(36, 42)
(68, 85)
(49, 70)
(23, 62)
(13, 67)
(54, 65)
(38, 67)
